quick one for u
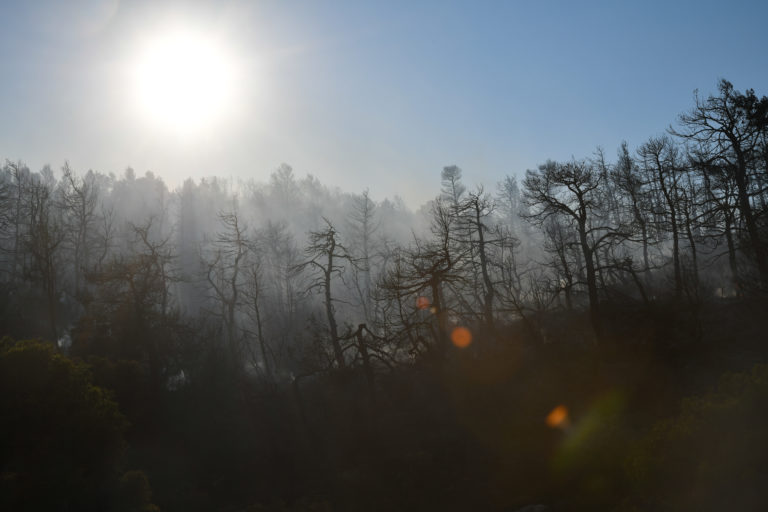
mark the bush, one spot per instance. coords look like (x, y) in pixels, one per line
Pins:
(712, 456)
(60, 436)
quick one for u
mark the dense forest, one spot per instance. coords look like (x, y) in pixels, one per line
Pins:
(589, 337)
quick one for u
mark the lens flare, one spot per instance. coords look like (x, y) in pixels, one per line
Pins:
(461, 337)
(558, 417)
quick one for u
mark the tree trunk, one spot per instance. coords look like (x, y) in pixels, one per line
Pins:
(749, 220)
(332, 327)
(367, 368)
(489, 290)
(594, 300)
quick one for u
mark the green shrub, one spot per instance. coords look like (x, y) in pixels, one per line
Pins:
(60, 436)
(713, 455)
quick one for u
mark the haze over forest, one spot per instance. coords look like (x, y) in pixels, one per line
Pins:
(291, 285)
(587, 332)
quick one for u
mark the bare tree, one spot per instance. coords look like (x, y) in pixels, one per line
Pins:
(362, 226)
(105, 235)
(79, 201)
(253, 295)
(18, 182)
(479, 208)
(325, 258)
(661, 162)
(720, 209)
(159, 256)
(224, 267)
(133, 291)
(510, 202)
(729, 128)
(43, 241)
(421, 273)
(560, 242)
(571, 191)
(632, 187)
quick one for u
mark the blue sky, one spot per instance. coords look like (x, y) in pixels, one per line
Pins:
(379, 95)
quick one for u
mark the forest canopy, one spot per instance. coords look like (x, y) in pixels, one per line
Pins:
(290, 346)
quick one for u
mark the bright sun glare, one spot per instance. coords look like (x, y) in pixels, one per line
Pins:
(184, 81)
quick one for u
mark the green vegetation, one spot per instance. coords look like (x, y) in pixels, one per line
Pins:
(61, 437)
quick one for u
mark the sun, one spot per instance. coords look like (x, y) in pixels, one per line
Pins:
(184, 81)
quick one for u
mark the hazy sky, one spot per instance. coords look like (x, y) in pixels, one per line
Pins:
(371, 94)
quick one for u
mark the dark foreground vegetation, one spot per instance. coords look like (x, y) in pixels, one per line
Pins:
(592, 340)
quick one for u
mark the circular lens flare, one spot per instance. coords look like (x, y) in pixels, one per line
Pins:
(422, 303)
(558, 417)
(461, 337)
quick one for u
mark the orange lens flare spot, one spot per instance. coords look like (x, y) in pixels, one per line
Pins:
(422, 303)
(557, 417)
(461, 337)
